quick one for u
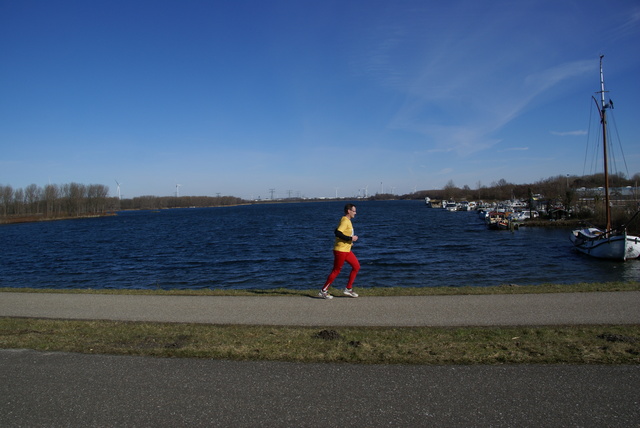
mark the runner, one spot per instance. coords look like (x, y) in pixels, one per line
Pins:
(342, 253)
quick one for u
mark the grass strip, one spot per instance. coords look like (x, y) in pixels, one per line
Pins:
(362, 345)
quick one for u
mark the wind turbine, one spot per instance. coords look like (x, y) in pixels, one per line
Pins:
(119, 196)
(177, 190)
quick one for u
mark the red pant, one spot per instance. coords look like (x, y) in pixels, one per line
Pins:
(339, 257)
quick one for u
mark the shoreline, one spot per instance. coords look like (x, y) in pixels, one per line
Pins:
(41, 218)
(578, 287)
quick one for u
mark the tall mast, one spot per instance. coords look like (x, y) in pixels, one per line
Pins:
(603, 118)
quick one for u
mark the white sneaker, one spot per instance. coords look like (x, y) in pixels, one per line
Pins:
(325, 295)
(349, 292)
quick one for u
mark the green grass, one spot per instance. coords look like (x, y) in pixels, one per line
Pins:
(371, 345)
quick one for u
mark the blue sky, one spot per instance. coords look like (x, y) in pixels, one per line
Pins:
(309, 98)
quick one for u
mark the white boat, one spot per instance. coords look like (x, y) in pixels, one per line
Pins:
(613, 244)
(524, 215)
(463, 206)
(451, 206)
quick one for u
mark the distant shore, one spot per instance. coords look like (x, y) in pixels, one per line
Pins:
(565, 223)
(569, 223)
(39, 218)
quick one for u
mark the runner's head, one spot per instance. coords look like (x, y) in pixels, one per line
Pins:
(350, 210)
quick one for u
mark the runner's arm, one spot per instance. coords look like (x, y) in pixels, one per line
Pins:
(342, 236)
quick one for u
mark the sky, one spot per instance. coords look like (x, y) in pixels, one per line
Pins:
(254, 98)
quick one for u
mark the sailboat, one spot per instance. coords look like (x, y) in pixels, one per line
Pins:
(613, 244)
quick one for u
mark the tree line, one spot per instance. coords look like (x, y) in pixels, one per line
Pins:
(552, 188)
(54, 201)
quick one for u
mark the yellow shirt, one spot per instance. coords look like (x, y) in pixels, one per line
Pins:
(346, 228)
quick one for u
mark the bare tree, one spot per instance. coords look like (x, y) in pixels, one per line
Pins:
(33, 194)
(51, 195)
(6, 199)
(18, 202)
(96, 196)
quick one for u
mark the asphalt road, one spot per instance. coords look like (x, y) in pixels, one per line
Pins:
(39, 389)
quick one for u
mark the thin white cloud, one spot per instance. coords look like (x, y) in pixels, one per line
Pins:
(548, 78)
(458, 89)
(630, 26)
(444, 171)
(514, 149)
(568, 133)
(479, 120)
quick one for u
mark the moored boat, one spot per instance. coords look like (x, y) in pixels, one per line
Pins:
(450, 206)
(497, 220)
(613, 245)
(608, 243)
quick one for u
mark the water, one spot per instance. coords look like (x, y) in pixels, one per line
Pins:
(401, 243)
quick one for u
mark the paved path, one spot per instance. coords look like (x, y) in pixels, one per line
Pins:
(51, 389)
(490, 310)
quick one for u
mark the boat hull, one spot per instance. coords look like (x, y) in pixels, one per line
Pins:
(599, 244)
